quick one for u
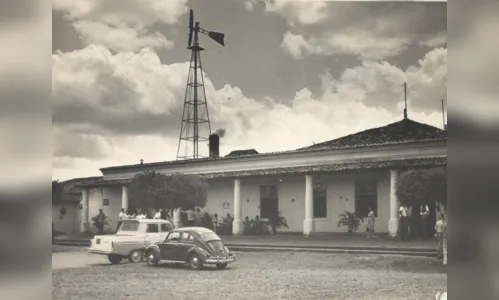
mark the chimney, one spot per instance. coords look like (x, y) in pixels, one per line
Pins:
(214, 142)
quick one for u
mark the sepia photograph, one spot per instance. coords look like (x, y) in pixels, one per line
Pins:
(249, 149)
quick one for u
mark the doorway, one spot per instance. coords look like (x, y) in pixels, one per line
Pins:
(269, 201)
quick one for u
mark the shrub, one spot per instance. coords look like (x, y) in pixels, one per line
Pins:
(350, 220)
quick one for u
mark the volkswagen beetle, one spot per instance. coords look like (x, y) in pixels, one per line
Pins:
(195, 246)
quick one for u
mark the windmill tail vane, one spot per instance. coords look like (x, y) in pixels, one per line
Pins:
(195, 126)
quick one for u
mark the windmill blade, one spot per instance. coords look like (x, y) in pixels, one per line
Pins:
(217, 37)
(190, 38)
(191, 20)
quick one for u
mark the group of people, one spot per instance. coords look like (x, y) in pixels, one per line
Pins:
(172, 215)
(411, 225)
(407, 227)
(175, 217)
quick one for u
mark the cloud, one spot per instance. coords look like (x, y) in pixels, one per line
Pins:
(296, 45)
(96, 91)
(301, 12)
(122, 25)
(120, 37)
(116, 109)
(368, 30)
(250, 5)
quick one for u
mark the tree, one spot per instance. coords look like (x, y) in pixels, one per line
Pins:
(155, 190)
(422, 187)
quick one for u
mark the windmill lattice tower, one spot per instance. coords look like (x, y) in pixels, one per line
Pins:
(195, 125)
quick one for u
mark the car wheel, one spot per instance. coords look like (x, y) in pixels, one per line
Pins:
(195, 261)
(222, 266)
(136, 256)
(114, 259)
(152, 259)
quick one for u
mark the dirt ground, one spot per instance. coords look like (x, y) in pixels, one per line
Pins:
(256, 275)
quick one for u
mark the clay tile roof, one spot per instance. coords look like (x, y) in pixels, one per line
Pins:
(242, 153)
(401, 132)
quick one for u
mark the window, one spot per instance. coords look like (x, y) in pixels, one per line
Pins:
(173, 236)
(320, 200)
(166, 227)
(210, 237)
(186, 237)
(366, 196)
(269, 203)
(130, 226)
(152, 228)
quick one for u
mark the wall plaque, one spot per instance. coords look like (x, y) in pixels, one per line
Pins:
(226, 205)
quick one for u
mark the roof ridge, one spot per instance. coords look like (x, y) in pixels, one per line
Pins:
(369, 130)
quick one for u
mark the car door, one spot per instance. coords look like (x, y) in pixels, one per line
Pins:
(169, 248)
(186, 243)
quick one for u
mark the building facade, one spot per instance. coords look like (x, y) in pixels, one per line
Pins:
(310, 186)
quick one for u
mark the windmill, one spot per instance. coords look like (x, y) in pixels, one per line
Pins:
(195, 125)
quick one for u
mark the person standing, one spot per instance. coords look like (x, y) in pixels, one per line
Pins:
(215, 222)
(403, 222)
(444, 246)
(157, 215)
(425, 212)
(230, 220)
(439, 228)
(371, 217)
(101, 217)
(177, 217)
(121, 217)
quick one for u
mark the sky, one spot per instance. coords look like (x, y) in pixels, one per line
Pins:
(291, 73)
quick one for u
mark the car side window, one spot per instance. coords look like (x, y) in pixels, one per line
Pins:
(152, 228)
(173, 236)
(186, 237)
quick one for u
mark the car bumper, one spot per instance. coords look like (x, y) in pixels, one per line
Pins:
(99, 251)
(214, 260)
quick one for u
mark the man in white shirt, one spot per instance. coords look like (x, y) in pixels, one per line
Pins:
(121, 217)
(403, 222)
(439, 228)
(157, 215)
(177, 217)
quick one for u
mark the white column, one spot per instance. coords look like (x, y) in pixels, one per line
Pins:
(308, 223)
(124, 197)
(84, 226)
(393, 223)
(237, 224)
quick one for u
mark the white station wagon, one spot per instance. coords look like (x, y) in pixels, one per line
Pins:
(132, 238)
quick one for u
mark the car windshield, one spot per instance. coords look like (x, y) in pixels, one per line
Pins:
(210, 237)
(130, 226)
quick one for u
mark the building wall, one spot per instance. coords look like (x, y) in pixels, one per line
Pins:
(291, 194)
(96, 196)
(70, 223)
(291, 199)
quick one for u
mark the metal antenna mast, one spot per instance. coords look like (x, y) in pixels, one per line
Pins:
(195, 125)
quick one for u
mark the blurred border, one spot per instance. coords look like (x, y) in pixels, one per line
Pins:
(473, 204)
(25, 154)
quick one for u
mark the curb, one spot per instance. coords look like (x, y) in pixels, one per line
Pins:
(334, 250)
(319, 249)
